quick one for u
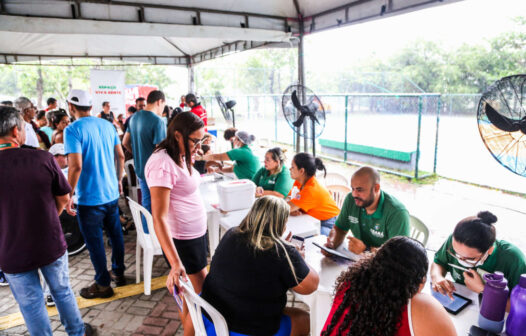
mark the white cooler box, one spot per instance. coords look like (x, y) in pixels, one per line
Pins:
(236, 194)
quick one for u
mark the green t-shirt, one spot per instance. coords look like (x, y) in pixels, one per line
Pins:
(506, 258)
(279, 182)
(390, 219)
(246, 165)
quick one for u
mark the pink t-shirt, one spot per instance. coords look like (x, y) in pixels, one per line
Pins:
(186, 214)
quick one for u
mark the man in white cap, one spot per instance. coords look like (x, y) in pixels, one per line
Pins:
(96, 164)
(57, 150)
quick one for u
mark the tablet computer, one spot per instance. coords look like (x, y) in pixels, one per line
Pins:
(342, 254)
(454, 306)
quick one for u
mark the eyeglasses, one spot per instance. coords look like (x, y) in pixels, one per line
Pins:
(197, 142)
(471, 261)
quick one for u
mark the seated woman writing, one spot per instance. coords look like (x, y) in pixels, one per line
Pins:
(251, 271)
(381, 295)
(473, 250)
(308, 195)
(273, 179)
(246, 163)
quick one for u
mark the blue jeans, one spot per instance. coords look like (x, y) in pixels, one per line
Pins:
(146, 201)
(92, 219)
(327, 225)
(28, 293)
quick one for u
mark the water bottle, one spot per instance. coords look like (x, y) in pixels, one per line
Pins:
(516, 323)
(494, 299)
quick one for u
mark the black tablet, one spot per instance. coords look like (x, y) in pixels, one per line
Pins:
(454, 306)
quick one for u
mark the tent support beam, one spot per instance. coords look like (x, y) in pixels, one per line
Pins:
(191, 78)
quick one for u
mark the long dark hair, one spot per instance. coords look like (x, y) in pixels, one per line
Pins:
(185, 123)
(477, 231)
(378, 288)
(309, 163)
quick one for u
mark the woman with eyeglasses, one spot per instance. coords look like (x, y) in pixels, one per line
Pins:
(473, 250)
(273, 179)
(179, 215)
(246, 163)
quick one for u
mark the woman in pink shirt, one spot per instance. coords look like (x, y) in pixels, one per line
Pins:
(179, 215)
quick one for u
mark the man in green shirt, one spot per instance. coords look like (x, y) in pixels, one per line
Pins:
(372, 215)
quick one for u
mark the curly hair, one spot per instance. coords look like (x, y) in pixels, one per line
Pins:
(378, 287)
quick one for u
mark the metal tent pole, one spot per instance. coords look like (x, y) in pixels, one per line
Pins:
(301, 81)
(191, 78)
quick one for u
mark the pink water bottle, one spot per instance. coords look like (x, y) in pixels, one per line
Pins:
(516, 323)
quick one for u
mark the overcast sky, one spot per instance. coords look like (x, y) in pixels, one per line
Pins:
(469, 21)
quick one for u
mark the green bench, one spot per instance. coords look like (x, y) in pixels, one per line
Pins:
(390, 158)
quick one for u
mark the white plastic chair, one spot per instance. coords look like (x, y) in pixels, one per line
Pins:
(133, 183)
(147, 241)
(195, 305)
(336, 179)
(338, 193)
(419, 230)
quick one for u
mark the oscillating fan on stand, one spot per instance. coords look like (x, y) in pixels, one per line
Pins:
(227, 108)
(304, 112)
(501, 120)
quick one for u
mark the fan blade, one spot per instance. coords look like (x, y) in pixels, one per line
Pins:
(501, 122)
(313, 118)
(522, 125)
(299, 122)
(295, 100)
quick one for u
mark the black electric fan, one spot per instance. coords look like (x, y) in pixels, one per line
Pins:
(227, 109)
(501, 118)
(304, 112)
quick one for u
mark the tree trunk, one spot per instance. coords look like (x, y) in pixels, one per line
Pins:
(40, 88)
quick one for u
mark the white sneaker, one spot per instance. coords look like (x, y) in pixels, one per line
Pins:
(3, 280)
(49, 301)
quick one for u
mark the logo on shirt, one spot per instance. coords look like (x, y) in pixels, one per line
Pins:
(377, 227)
(377, 234)
(455, 274)
(353, 220)
(271, 182)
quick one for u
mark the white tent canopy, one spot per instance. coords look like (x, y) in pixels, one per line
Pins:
(182, 32)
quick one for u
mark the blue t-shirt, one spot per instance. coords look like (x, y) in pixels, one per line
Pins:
(48, 130)
(146, 130)
(95, 139)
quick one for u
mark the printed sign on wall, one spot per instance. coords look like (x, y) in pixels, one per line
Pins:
(108, 85)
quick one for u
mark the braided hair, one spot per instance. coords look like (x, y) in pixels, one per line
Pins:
(378, 287)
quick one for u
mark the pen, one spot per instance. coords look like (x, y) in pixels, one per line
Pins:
(459, 267)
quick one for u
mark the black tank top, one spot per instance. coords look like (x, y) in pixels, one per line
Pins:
(108, 116)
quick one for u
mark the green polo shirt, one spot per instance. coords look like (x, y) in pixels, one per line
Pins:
(390, 219)
(506, 258)
(246, 164)
(279, 182)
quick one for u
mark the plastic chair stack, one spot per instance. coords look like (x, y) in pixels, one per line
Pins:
(145, 241)
(335, 179)
(338, 193)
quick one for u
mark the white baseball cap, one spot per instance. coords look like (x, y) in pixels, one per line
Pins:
(79, 97)
(57, 149)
